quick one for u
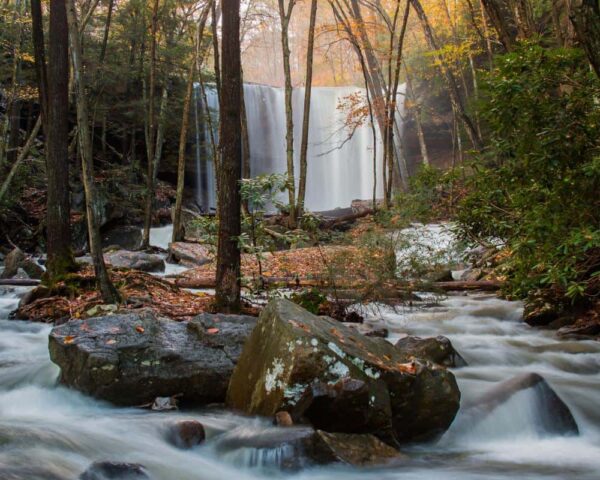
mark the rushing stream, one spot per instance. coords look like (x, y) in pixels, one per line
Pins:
(49, 432)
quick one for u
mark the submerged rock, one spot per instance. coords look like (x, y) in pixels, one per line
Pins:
(300, 447)
(186, 434)
(115, 471)
(553, 414)
(435, 349)
(130, 359)
(338, 380)
(357, 450)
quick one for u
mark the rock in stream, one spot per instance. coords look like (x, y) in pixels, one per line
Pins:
(130, 359)
(330, 376)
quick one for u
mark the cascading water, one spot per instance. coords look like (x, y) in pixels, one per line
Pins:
(340, 156)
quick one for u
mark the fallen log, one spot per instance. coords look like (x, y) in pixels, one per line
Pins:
(20, 282)
(333, 223)
(488, 285)
(291, 282)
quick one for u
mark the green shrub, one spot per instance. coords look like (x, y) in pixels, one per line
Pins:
(536, 187)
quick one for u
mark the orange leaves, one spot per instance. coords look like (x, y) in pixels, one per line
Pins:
(69, 339)
(139, 329)
(212, 331)
(112, 341)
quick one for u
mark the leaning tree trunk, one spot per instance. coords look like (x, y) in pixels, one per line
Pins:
(107, 289)
(451, 82)
(306, 115)
(285, 15)
(58, 234)
(498, 11)
(230, 172)
(151, 130)
(185, 122)
(585, 16)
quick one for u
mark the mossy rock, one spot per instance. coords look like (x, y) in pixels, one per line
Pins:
(329, 375)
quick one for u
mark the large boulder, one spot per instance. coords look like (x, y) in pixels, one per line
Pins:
(145, 262)
(190, 254)
(435, 349)
(552, 414)
(327, 374)
(130, 359)
(128, 237)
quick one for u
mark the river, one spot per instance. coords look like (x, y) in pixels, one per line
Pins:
(48, 432)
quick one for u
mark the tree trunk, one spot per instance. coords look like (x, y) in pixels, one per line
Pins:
(185, 121)
(230, 172)
(60, 257)
(22, 155)
(306, 114)
(451, 83)
(37, 34)
(416, 107)
(585, 16)
(107, 290)
(284, 16)
(500, 16)
(151, 130)
(111, 4)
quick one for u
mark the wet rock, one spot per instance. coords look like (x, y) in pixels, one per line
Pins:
(357, 450)
(378, 332)
(190, 254)
(130, 359)
(12, 262)
(145, 262)
(301, 447)
(441, 274)
(283, 419)
(437, 350)
(471, 274)
(186, 434)
(554, 416)
(127, 237)
(35, 294)
(327, 374)
(540, 310)
(115, 471)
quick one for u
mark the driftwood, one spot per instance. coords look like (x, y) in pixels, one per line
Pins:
(20, 282)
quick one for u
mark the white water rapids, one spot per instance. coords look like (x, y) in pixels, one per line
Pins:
(49, 432)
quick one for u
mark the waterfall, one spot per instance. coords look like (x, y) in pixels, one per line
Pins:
(340, 157)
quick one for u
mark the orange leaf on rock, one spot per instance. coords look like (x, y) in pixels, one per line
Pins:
(69, 339)
(212, 331)
(139, 329)
(112, 341)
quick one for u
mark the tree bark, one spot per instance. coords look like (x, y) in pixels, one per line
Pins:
(306, 115)
(284, 17)
(228, 254)
(60, 257)
(585, 17)
(416, 107)
(108, 291)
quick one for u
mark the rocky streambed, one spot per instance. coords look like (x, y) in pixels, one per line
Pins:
(535, 426)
